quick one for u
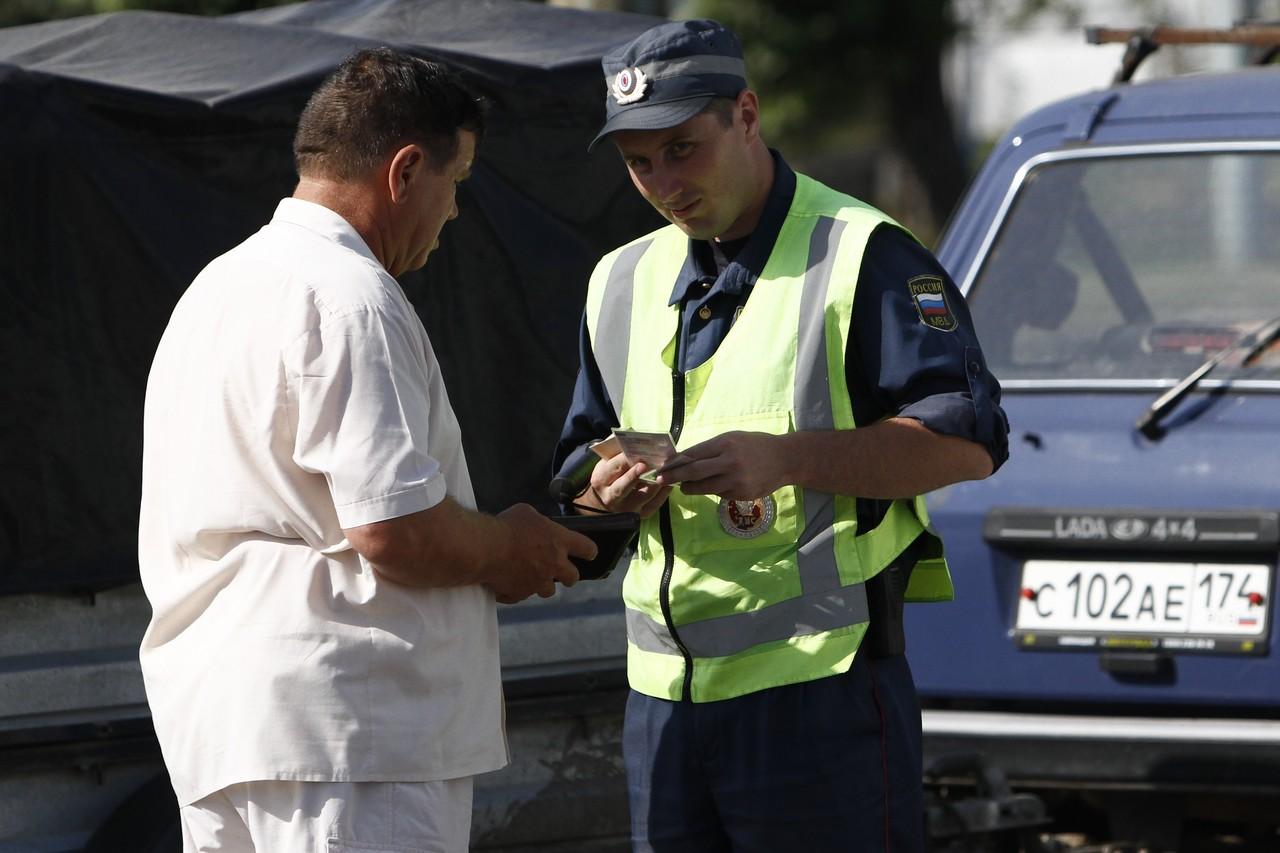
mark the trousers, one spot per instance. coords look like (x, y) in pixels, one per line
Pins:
(827, 765)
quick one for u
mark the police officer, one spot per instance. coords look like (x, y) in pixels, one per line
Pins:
(819, 372)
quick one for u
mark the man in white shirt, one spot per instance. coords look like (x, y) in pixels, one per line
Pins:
(322, 661)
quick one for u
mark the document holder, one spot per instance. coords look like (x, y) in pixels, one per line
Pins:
(611, 532)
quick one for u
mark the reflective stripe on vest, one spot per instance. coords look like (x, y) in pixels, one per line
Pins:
(728, 635)
(817, 553)
(614, 324)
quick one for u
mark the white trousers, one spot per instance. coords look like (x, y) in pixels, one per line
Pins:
(331, 817)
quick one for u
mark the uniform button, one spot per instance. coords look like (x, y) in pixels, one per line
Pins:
(706, 284)
(704, 312)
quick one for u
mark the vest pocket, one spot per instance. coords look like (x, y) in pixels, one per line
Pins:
(707, 524)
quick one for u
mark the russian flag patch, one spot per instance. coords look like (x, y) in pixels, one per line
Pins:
(930, 299)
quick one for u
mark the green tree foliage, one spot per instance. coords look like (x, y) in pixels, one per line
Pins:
(14, 12)
(848, 73)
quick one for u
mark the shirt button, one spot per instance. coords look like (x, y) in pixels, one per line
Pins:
(704, 312)
(706, 284)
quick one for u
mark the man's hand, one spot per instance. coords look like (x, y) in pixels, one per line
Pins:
(616, 486)
(540, 556)
(516, 554)
(739, 466)
(893, 458)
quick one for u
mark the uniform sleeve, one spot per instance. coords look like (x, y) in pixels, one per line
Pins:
(912, 350)
(591, 413)
(361, 398)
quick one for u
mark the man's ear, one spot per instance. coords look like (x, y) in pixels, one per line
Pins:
(405, 171)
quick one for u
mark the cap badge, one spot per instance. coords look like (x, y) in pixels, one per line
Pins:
(629, 85)
(748, 519)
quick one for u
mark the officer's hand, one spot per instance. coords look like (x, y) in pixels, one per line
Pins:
(540, 556)
(740, 466)
(617, 487)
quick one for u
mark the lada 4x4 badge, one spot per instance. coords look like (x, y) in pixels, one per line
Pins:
(629, 85)
(747, 519)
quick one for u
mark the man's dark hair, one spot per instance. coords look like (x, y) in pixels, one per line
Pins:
(377, 100)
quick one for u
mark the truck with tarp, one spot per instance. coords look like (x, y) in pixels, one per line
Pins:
(134, 148)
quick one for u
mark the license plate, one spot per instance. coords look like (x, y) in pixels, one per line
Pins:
(1216, 607)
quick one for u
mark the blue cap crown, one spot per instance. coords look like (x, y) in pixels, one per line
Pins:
(668, 74)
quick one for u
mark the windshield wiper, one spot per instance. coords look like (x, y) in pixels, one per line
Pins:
(1252, 344)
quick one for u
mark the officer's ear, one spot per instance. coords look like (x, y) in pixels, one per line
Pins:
(747, 108)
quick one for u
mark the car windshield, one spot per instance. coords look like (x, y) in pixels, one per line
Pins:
(1133, 268)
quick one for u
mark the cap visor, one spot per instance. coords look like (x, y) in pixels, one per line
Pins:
(653, 116)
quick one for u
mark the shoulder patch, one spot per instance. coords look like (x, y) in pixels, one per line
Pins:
(930, 299)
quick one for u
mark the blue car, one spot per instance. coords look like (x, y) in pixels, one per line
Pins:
(1110, 645)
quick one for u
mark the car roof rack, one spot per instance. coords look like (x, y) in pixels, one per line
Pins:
(1144, 41)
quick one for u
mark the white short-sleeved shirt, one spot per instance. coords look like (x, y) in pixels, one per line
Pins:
(295, 393)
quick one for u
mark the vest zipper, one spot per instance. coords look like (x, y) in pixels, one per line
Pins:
(669, 544)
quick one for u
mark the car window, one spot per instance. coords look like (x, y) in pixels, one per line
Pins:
(1133, 267)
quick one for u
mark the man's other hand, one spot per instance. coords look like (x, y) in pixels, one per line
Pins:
(740, 466)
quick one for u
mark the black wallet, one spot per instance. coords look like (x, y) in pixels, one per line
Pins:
(611, 532)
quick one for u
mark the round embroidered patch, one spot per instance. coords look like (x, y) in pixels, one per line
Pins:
(748, 519)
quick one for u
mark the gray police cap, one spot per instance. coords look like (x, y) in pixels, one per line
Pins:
(668, 74)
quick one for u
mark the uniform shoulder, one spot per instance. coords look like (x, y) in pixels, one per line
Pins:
(814, 198)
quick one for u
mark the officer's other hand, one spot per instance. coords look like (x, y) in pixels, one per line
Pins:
(617, 487)
(539, 556)
(739, 466)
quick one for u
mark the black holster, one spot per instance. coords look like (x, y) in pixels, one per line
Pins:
(886, 593)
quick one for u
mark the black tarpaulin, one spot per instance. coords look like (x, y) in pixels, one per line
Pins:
(136, 147)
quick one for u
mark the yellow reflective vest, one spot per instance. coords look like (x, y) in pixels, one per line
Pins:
(726, 598)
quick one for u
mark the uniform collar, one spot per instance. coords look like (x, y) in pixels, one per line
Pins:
(743, 271)
(323, 222)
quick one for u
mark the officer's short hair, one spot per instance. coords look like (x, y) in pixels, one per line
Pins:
(722, 108)
(377, 100)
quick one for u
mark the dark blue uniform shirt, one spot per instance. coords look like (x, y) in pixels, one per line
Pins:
(895, 365)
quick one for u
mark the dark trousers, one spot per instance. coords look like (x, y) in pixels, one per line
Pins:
(827, 765)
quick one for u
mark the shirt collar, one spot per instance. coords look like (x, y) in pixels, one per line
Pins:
(323, 222)
(745, 269)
